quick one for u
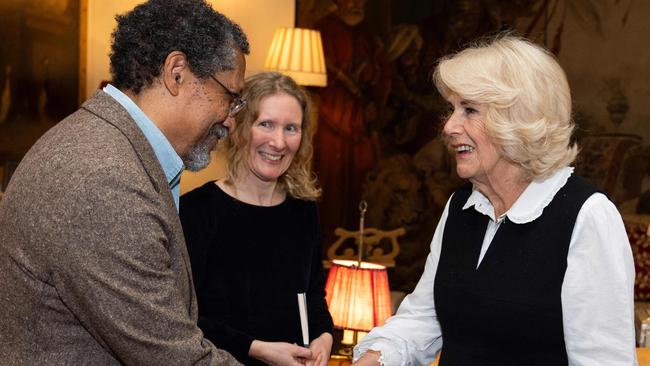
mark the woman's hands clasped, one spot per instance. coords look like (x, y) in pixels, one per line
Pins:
(287, 354)
(280, 353)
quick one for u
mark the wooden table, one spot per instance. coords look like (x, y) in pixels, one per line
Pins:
(347, 362)
(643, 354)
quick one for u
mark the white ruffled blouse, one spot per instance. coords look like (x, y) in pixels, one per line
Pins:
(597, 292)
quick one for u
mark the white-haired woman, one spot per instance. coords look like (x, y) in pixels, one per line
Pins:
(529, 264)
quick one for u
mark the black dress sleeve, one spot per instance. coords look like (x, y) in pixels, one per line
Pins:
(320, 320)
(199, 211)
(194, 218)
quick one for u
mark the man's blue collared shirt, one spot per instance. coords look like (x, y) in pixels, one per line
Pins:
(171, 163)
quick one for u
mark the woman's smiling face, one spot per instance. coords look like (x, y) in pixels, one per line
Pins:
(477, 157)
(276, 135)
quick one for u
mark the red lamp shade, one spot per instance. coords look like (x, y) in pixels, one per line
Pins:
(357, 295)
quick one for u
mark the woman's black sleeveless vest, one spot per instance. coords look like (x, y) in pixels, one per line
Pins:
(507, 311)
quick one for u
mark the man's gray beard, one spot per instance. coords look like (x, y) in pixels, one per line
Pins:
(199, 156)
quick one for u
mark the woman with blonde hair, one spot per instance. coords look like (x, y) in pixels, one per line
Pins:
(253, 237)
(529, 264)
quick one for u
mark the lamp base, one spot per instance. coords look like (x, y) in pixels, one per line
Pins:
(340, 348)
(345, 340)
(345, 351)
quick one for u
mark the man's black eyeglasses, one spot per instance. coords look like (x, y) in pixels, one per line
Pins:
(236, 102)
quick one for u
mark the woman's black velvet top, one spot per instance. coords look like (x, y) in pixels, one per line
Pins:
(248, 264)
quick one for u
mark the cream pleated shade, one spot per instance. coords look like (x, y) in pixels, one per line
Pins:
(298, 53)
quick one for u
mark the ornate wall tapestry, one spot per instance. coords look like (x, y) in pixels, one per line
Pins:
(379, 116)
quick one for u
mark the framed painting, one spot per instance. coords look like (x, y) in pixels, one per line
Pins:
(39, 72)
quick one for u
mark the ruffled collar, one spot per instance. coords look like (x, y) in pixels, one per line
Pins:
(530, 205)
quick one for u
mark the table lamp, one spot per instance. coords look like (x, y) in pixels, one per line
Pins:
(357, 294)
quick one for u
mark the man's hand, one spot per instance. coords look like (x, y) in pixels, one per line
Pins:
(280, 353)
(321, 348)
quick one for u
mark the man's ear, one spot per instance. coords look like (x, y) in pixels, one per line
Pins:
(175, 69)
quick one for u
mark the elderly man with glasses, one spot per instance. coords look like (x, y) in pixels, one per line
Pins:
(94, 269)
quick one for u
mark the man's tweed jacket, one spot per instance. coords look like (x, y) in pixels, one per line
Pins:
(93, 264)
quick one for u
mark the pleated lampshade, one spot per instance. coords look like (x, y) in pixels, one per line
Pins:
(298, 52)
(358, 296)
